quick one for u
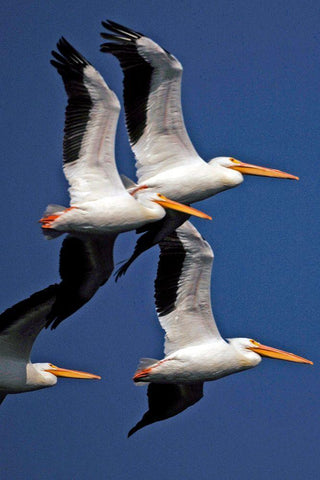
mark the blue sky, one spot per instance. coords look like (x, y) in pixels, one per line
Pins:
(250, 90)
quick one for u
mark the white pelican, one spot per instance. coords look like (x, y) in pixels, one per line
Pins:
(166, 160)
(19, 327)
(194, 350)
(99, 202)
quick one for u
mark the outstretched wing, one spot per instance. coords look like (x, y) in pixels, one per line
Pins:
(182, 289)
(90, 126)
(86, 263)
(167, 400)
(21, 324)
(152, 101)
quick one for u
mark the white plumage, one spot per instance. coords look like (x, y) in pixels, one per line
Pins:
(19, 327)
(166, 160)
(99, 203)
(195, 352)
(158, 137)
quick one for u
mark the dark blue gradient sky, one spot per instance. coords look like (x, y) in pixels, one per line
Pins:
(250, 90)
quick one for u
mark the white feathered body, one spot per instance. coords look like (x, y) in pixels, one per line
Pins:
(194, 182)
(200, 363)
(99, 202)
(17, 377)
(113, 214)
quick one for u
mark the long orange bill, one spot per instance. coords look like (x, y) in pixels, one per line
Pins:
(166, 203)
(271, 352)
(248, 169)
(63, 372)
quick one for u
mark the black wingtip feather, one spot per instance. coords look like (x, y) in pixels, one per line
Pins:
(70, 64)
(105, 48)
(10, 316)
(69, 55)
(121, 271)
(137, 75)
(135, 429)
(74, 267)
(112, 36)
(118, 28)
(171, 259)
(166, 400)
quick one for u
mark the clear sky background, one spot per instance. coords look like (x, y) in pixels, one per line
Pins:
(250, 90)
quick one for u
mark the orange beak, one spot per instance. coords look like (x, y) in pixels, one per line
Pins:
(167, 203)
(63, 372)
(271, 352)
(248, 169)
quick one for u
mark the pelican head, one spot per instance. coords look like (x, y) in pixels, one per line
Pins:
(45, 374)
(149, 198)
(252, 351)
(233, 170)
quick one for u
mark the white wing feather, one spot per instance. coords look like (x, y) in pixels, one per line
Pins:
(94, 175)
(152, 101)
(90, 127)
(165, 142)
(185, 311)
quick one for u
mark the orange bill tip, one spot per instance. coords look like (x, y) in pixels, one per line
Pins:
(271, 352)
(248, 169)
(180, 207)
(63, 372)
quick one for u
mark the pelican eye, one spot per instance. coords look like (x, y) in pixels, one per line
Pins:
(256, 344)
(52, 366)
(234, 160)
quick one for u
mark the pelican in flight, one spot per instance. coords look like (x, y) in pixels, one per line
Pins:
(166, 160)
(194, 350)
(19, 327)
(99, 202)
